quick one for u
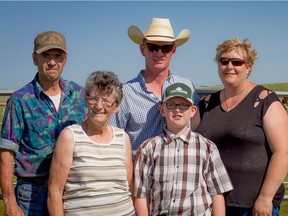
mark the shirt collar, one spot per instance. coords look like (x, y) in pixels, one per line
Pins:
(38, 88)
(169, 136)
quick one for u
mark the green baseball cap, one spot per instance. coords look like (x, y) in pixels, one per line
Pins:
(49, 40)
(178, 90)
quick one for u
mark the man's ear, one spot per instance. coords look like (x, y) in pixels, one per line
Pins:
(142, 47)
(34, 57)
(174, 50)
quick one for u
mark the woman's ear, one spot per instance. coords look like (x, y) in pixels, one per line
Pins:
(116, 108)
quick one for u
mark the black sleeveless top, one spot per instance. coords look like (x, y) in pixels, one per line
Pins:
(241, 140)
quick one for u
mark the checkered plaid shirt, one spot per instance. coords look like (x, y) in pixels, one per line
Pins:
(178, 175)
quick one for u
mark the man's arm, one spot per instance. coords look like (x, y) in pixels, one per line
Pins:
(6, 183)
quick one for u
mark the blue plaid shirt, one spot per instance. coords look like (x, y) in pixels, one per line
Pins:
(138, 114)
(31, 124)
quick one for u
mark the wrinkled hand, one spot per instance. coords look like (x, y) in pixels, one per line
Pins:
(262, 207)
(12, 209)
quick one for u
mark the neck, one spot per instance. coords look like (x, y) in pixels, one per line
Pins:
(96, 132)
(156, 76)
(232, 97)
(50, 88)
(177, 131)
(154, 81)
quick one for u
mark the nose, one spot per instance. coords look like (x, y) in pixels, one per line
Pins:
(52, 62)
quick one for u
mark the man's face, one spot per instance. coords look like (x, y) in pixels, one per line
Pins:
(50, 64)
(157, 54)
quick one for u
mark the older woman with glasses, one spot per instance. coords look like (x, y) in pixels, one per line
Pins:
(92, 170)
(249, 125)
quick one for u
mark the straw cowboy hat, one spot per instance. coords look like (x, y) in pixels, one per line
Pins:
(158, 30)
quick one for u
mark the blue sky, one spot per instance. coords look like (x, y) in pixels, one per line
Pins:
(96, 34)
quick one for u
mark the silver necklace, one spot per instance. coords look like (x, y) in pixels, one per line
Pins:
(225, 99)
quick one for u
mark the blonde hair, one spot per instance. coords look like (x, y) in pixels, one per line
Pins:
(243, 47)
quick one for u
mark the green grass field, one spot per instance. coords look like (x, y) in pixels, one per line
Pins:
(274, 87)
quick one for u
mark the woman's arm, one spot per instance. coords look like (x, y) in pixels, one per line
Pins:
(129, 164)
(276, 126)
(59, 171)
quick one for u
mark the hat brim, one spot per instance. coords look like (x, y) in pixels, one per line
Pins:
(137, 36)
(44, 49)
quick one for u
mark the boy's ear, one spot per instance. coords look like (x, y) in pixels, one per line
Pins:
(161, 109)
(194, 110)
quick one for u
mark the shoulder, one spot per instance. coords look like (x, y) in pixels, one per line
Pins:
(118, 131)
(176, 78)
(204, 142)
(27, 89)
(71, 85)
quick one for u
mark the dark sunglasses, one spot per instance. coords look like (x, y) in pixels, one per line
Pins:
(165, 48)
(234, 61)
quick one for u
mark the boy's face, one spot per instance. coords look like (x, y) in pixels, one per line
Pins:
(177, 119)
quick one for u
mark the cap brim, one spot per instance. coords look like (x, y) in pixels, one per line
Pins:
(44, 49)
(187, 99)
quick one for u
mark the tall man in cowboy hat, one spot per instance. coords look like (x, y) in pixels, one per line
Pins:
(33, 119)
(139, 115)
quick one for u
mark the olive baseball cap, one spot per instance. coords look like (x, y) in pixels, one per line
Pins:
(49, 40)
(178, 90)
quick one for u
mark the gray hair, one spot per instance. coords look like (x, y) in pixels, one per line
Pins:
(106, 83)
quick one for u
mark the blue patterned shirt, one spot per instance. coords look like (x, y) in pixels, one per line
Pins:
(31, 124)
(138, 114)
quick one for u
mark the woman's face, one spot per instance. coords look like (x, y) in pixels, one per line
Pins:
(100, 107)
(232, 68)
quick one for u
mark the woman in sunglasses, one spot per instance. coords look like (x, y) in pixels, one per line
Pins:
(241, 119)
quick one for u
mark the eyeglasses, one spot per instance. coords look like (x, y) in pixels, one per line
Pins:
(234, 61)
(174, 105)
(165, 48)
(105, 102)
(56, 57)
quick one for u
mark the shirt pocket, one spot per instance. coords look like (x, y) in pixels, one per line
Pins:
(41, 129)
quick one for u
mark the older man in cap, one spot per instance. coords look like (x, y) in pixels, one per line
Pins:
(33, 119)
(139, 115)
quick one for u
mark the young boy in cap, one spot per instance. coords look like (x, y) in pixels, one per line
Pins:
(33, 119)
(179, 172)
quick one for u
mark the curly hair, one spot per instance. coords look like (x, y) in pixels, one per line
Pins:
(243, 47)
(106, 83)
